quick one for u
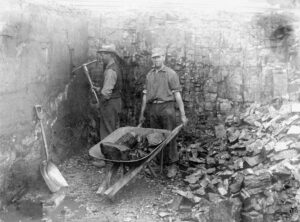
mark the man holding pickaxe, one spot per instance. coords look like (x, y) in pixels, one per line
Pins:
(109, 102)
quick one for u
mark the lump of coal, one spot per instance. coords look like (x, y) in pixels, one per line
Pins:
(114, 151)
(155, 138)
(129, 139)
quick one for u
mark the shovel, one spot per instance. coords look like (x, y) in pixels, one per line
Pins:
(49, 171)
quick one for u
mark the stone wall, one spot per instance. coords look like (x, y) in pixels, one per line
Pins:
(39, 45)
(224, 59)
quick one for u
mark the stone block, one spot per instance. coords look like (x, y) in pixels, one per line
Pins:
(224, 211)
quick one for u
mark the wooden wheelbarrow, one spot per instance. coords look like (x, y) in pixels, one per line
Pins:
(136, 166)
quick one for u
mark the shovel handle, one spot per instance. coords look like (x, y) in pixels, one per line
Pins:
(38, 110)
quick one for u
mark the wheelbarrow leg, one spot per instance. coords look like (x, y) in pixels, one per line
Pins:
(110, 171)
(110, 192)
(161, 161)
(151, 170)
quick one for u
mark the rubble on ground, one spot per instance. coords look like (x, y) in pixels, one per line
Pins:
(248, 170)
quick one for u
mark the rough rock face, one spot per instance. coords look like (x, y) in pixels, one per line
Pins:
(39, 44)
(224, 59)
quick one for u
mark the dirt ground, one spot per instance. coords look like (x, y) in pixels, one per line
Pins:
(145, 198)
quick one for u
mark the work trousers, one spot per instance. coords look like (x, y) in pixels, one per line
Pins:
(109, 116)
(163, 116)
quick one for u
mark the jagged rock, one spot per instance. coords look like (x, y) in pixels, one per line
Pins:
(236, 184)
(254, 160)
(252, 217)
(220, 131)
(224, 211)
(294, 130)
(257, 183)
(189, 195)
(233, 134)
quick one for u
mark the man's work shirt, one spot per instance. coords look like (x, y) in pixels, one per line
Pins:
(161, 84)
(112, 82)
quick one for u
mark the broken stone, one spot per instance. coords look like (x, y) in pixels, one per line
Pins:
(252, 216)
(176, 203)
(295, 145)
(271, 122)
(210, 161)
(196, 160)
(233, 134)
(285, 154)
(211, 170)
(164, 214)
(185, 208)
(229, 120)
(237, 183)
(222, 189)
(189, 195)
(213, 197)
(193, 178)
(254, 160)
(239, 164)
(279, 146)
(244, 135)
(290, 120)
(270, 146)
(200, 191)
(220, 131)
(225, 174)
(294, 130)
(255, 147)
(238, 146)
(257, 183)
(295, 107)
(249, 120)
(224, 211)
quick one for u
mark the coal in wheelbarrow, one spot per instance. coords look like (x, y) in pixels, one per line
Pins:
(138, 164)
(132, 146)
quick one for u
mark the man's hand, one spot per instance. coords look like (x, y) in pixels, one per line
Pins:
(97, 89)
(184, 120)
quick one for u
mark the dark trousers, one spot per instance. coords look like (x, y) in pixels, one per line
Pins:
(163, 116)
(109, 116)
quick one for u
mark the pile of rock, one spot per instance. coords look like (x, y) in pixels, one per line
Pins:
(248, 170)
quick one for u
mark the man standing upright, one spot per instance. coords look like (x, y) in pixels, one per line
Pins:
(162, 89)
(109, 91)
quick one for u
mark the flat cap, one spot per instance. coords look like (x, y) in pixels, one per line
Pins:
(157, 52)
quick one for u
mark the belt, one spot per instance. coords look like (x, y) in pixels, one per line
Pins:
(158, 101)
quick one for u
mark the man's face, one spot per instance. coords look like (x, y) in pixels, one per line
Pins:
(103, 56)
(158, 61)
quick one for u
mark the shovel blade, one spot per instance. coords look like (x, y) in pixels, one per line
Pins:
(55, 175)
(51, 185)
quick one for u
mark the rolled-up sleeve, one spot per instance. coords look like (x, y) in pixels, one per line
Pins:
(174, 82)
(110, 80)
